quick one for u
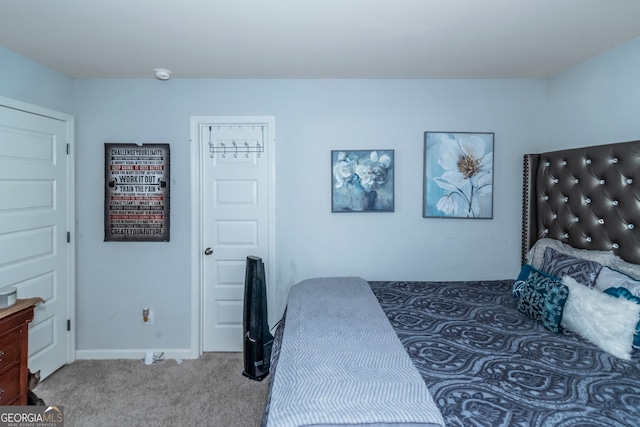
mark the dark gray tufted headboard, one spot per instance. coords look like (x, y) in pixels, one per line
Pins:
(586, 197)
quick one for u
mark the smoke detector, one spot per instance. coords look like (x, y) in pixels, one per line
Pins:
(162, 73)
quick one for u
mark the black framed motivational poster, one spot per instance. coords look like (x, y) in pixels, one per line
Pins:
(136, 192)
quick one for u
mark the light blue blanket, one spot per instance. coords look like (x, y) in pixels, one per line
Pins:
(341, 363)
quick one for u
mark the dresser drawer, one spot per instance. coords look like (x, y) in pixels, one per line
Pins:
(14, 351)
(10, 386)
(10, 348)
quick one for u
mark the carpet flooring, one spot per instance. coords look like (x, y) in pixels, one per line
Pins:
(210, 391)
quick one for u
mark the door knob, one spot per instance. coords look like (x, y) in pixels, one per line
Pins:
(208, 251)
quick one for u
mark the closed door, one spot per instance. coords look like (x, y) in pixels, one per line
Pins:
(236, 221)
(35, 256)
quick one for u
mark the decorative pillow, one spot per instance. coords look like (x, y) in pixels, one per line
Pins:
(536, 253)
(543, 299)
(518, 285)
(609, 278)
(624, 293)
(606, 321)
(558, 264)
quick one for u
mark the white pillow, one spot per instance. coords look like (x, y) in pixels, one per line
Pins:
(535, 256)
(630, 269)
(606, 321)
(609, 278)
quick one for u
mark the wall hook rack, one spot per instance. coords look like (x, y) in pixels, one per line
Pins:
(235, 148)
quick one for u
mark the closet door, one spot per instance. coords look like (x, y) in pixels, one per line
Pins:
(36, 253)
(236, 220)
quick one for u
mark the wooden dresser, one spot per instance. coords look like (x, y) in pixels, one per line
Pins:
(14, 351)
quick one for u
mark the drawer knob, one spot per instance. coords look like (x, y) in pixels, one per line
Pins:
(1, 354)
(1, 391)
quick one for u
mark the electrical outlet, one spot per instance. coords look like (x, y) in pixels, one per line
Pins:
(147, 316)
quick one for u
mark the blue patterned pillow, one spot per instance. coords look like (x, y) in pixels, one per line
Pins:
(558, 264)
(625, 293)
(525, 271)
(543, 299)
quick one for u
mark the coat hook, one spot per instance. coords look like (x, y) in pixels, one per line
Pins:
(212, 150)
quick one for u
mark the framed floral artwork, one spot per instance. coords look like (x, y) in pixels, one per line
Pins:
(458, 175)
(362, 181)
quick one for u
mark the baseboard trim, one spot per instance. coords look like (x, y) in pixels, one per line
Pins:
(178, 353)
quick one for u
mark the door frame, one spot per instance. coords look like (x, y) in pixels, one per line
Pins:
(197, 209)
(69, 121)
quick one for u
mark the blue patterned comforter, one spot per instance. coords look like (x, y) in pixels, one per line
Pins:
(486, 364)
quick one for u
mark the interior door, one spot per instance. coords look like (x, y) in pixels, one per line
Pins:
(35, 256)
(235, 222)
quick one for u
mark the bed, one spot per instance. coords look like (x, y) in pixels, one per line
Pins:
(552, 347)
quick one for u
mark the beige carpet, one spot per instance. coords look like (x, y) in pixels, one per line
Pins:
(209, 391)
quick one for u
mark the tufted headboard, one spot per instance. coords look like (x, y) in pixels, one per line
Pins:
(586, 197)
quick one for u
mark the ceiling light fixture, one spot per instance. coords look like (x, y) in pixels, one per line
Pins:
(162, 73)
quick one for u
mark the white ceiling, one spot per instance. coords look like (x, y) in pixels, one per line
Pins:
(315, 39)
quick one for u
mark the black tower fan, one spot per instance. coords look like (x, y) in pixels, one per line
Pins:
(255, 326)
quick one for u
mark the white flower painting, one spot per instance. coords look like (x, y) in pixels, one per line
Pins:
(362, 181)
(458, 175)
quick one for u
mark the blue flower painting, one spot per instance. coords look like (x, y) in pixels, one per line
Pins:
(362, 181)
(458, 175)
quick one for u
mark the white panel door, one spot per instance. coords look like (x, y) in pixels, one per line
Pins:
(235, 224)
(34, 253)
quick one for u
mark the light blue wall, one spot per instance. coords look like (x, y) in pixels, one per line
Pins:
(28, 81)
(313, 117)
(597, 101)
(591, 103)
